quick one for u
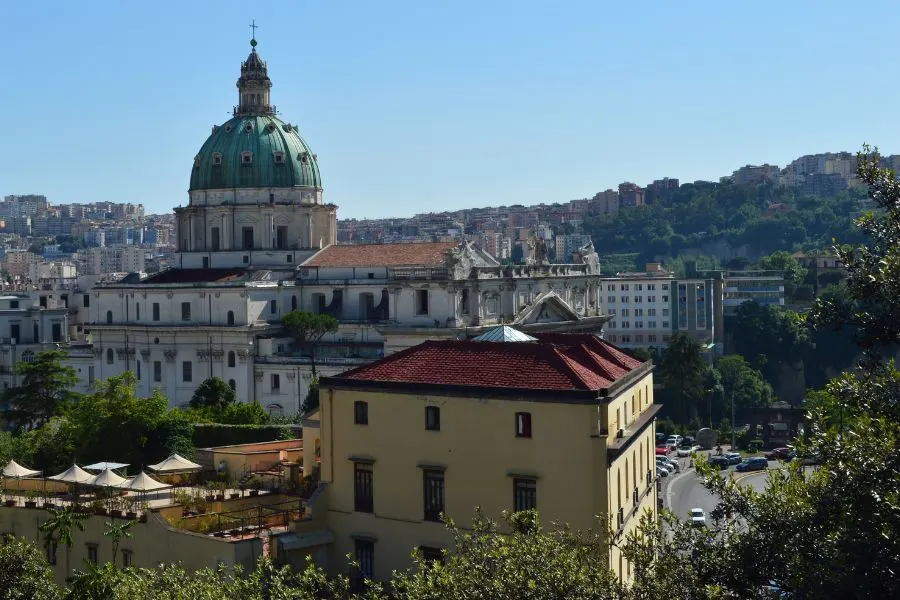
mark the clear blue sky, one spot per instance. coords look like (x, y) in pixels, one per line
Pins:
(424, 105)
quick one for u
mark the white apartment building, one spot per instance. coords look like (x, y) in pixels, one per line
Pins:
(117, 259)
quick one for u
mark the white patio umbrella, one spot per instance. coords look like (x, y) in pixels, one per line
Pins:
(107, 478)
(16, 471)
(143, 483)
(102, 466)
(73, 474)
(175, 464)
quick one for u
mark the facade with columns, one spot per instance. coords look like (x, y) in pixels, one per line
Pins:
(256, 241)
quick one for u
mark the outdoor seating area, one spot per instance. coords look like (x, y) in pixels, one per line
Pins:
(96, 487)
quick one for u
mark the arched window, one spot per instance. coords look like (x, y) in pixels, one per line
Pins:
(109, 317)
(232, 385)
(231, 358)
(230, 317)
(109, 356)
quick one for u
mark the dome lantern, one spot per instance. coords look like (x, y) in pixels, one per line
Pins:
(254, 86)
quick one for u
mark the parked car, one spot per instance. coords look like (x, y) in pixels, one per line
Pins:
(719, 461)
(660, 436)
(757, 463)
(661, 472)
(673, 440)
(662, 450)
(785, 453)
(684, 451)
(698, 517)
(669, 462)
(734, 458)
(663, 463)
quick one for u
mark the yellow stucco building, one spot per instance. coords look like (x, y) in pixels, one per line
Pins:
(563, 423)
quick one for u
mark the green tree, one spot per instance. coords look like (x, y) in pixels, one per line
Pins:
(213, 393)
(682, 372)
(45, 388)
(24, 572)
(58, 529)
(743, 384)
(794, 273)
(519, 560)
(308, 329)
(116, 533)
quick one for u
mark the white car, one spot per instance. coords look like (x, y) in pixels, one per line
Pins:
(661, 472)
(673, 440)
(684, 451)
(669, 462)
(664, 464)
(698, 517)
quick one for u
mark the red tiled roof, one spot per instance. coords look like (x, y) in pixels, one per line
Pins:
(555, 362)
(195, 276)
(381, 255)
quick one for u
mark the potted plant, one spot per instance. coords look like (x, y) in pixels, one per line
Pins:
(9, 499)
(115, 507)
(30, 501)
(98, 507)
(210, 492)
(143, 505)
(47, 500)
(200, 504)
(220, 492)
(129, 503)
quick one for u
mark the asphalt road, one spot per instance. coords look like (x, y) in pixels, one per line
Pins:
(683, 491)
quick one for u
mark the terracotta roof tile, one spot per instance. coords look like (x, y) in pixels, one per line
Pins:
(564, 362)
(381, 255)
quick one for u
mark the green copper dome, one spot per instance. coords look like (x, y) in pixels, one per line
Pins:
(255, 151)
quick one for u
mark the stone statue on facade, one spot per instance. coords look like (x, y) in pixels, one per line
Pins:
(537, 251)
(590, 257)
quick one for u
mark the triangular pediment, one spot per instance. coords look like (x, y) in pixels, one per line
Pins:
(549, 307)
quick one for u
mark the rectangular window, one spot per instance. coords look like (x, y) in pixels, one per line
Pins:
(625, 299)
(92, 553)
(51, 552)
(14, 304)
(157, 371)
(281, 237)
(665, 298)
(276, 382)
(431, 554)
(363, 497)
(434, 495)
(56, 330)
(523, 424)
(187, 368)
(625, 325)
(432, 418)
(365, 557)
(651, 312)
(421, 302)
(273, 306)
(665, 287)
(651, 287)
(86, 300)
(651, 338)
(665, 312)
(361, 412)
(639, 287)
(665, 325)
(610, 287)
(524, 494)
(214, 239)
(156, 311)
(247, 238)
(638, 298)
(639, 312)
(626, 312)
(651, 324)
(137, 369)
(185, 311)
(464, 301)
(624, 287)
(14, 332)
(612, 312)
(611, 299)
(127, 558)
(137, 311)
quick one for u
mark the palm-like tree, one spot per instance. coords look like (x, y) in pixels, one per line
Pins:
(60, 526)
(117, 533)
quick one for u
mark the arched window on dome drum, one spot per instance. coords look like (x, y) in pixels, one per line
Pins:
(109, 317)
(231, 361)
(109, 356)
(230, 317)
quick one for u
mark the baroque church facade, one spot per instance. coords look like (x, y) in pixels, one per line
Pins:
(257, 240)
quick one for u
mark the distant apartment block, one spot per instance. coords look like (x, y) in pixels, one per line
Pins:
(752, 175)
(630, 194)
(660, 188)
(605, 203)
(119, 259)
(568, 244)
